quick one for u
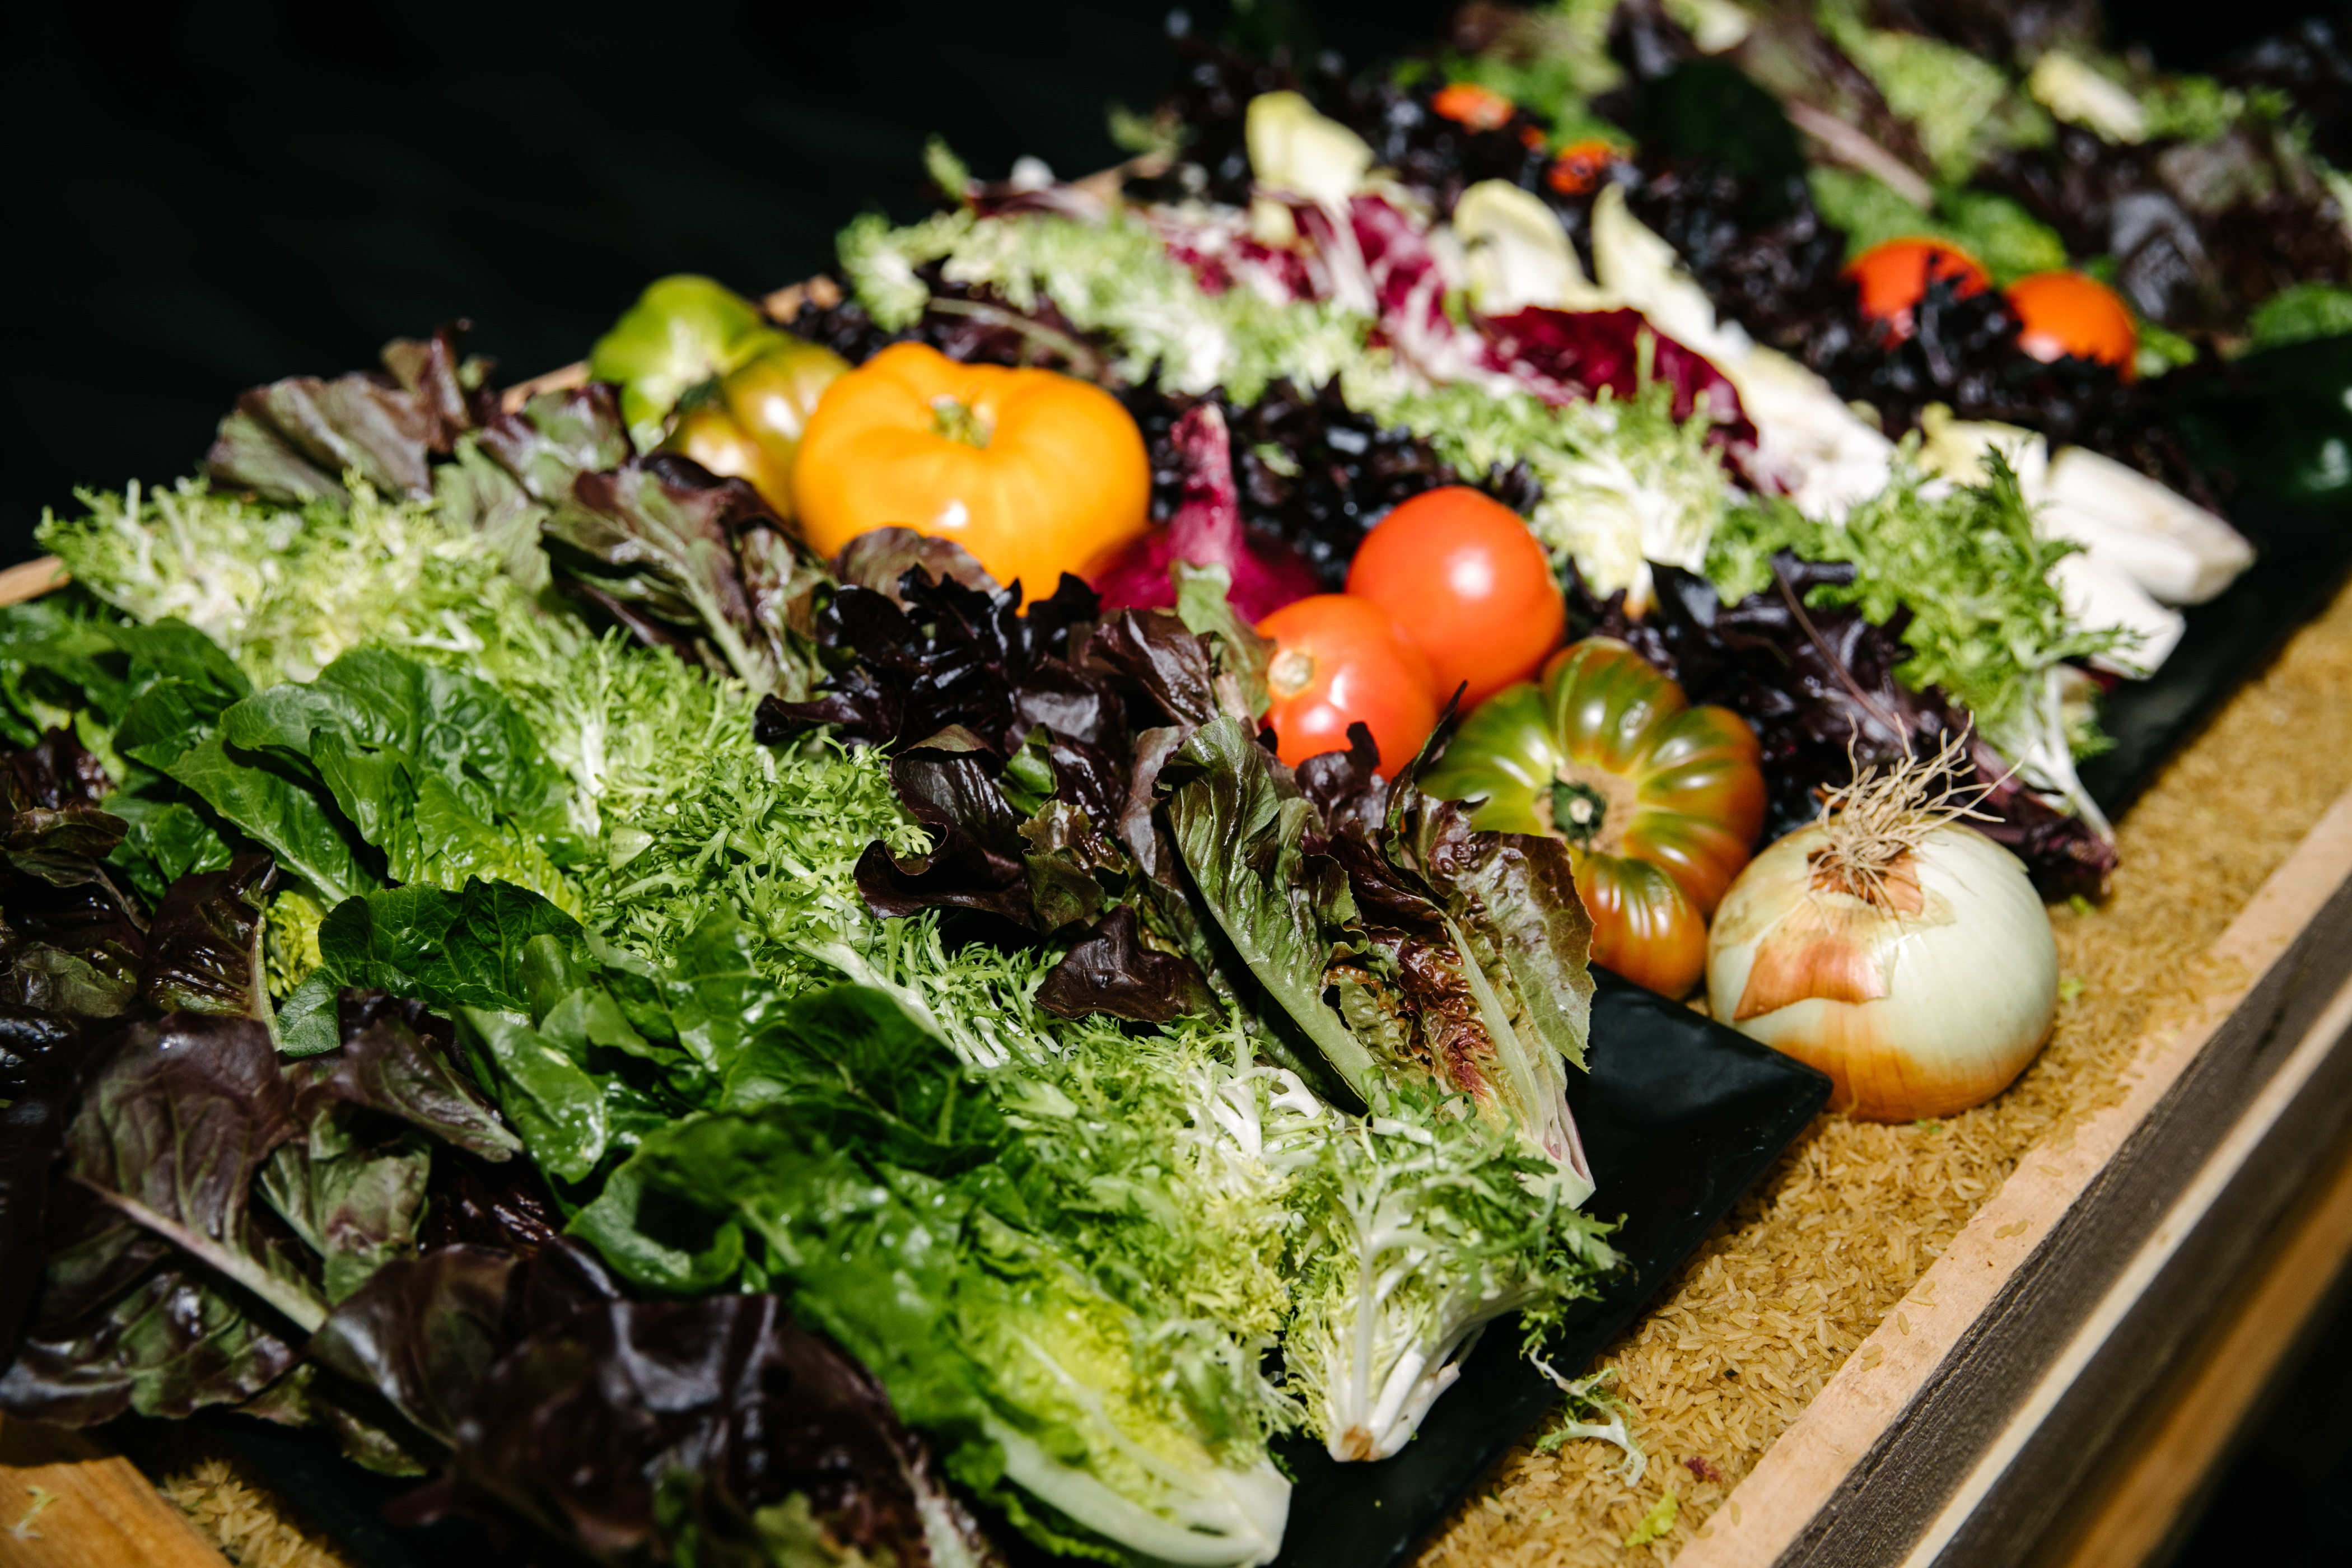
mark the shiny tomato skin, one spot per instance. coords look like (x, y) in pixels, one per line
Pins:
(1893, 277)
(2062, 313)
(1469, 584)
(1339, 660)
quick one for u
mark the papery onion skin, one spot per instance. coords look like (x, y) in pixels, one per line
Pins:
(1970, 990)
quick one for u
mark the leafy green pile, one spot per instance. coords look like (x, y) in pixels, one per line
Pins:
(1105, 794)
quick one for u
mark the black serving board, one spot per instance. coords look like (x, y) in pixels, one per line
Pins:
(1680, 1116)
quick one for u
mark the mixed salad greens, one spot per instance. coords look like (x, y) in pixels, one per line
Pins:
(421, 873)
(738, 1055)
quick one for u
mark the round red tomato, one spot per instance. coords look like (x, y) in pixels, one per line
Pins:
(2062, 313)
(1339, 660)
(1894, 276)
(1469, 584)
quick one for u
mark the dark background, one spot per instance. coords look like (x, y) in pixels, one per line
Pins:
(202, 197)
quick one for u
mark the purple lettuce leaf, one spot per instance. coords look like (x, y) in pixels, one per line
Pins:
(693, 1428)
(1814, 682)
(203, 944)
(294, 439)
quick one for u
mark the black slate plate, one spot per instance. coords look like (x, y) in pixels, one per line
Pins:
(1680, 1116)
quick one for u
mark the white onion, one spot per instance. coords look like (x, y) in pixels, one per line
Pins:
(1923, 994)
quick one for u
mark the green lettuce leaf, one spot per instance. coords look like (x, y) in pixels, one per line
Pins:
(1241, 834)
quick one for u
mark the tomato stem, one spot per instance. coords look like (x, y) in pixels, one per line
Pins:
(1577, 811)
(959, 421)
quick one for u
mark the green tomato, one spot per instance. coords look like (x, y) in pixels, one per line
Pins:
(682, 332)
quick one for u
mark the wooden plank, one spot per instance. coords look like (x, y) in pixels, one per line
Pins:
(1915, 1417)
(31, 579)
(67, 1502)
(2187, 1430)
(564, 378)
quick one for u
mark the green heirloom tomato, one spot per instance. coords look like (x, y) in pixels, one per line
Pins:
(1659, 802)
(681, 333)
(751, 430)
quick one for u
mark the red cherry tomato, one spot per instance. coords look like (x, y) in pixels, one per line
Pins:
(1341, 661)
(2062, 314)
(1478, 108)
(1894, 276)
(1469, 584)
(1580, 167)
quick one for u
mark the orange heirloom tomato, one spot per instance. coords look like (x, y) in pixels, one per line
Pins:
(2062, 314)
(1341, 661)
(1469, 583)
(1894, 276)
(1660, 802)
(1033, 472)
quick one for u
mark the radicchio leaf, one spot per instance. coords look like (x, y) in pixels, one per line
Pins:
(1573, 356)
(1206, 531)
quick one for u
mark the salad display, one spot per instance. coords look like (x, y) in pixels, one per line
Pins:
(942, 908)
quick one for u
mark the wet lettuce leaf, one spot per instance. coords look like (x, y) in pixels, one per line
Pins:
(1242, 830)
(175, 1120)
(432, 766)
(203, 945)
(655, 540)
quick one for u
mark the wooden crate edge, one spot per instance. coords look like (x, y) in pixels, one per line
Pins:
(1765, 1517)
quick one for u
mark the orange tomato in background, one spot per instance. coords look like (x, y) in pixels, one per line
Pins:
(1034, 473)
(1894, 276)
(1580, 167)
(1339, 660)
(1468, 104)
(1470, 586)
(2062, 313)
